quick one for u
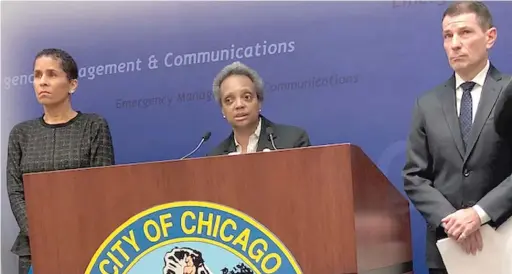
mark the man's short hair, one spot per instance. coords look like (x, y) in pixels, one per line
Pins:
(481, 11)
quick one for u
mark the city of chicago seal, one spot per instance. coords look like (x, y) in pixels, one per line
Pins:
(192, 238)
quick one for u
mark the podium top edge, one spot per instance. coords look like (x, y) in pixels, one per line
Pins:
(196, 158)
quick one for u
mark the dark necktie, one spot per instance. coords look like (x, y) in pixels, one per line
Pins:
(466, 111)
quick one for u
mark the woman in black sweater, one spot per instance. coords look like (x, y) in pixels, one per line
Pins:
(61, 138)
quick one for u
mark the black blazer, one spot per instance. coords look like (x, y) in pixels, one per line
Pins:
(441, 176)
(285, 136)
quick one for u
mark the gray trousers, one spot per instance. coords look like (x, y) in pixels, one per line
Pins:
(24, 264)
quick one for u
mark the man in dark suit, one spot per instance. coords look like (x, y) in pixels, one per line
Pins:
(457, 168)
(239, 91)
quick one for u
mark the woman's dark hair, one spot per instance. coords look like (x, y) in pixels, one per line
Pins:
(67, 62)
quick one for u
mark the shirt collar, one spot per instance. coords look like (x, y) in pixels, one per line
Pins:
(479, 78)
(256, 133)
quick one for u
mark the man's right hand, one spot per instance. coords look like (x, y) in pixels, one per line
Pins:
(472, 243)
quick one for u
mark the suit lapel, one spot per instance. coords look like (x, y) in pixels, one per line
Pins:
(447, 98)
(490, 93)
(229, 144)
(263, 141)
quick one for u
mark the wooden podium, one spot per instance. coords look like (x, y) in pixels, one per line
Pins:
(329, 205)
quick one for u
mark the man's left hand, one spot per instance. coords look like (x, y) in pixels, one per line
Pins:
(461, 224)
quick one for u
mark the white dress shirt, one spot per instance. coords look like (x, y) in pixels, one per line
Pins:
(475, 95)
(252, 146)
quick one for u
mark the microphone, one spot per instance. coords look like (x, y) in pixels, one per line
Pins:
(205, 138)
(270, 133)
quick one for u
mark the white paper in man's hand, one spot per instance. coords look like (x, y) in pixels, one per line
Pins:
(492, 259)
(505, 236)
(457, 261)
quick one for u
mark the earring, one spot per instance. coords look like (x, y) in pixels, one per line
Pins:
(71, 91)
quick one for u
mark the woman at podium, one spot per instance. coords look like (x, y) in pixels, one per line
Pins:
(239, 91)
(62, 138)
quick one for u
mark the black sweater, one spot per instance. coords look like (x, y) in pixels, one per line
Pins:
(35, 146)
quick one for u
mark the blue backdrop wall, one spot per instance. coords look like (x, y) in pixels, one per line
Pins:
(345, 71)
